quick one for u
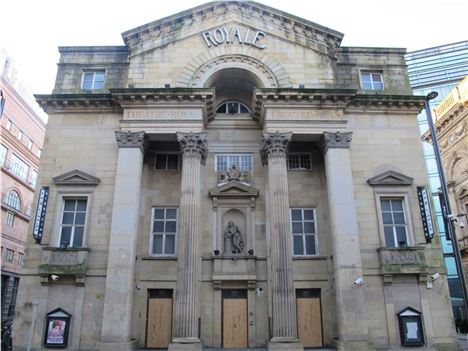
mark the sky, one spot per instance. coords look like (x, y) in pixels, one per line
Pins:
(31, 30)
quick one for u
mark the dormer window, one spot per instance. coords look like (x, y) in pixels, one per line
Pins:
(232, 108)
(93, 80)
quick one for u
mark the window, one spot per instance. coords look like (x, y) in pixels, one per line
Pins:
(33, 178)
(19, 168)
(30, 144)
(93, 80)
(164, 231)
(8, 124)
(73, 222)
(224, 162)
(39, 151)
(299, 161)
(371, 80)
(3, 154)
(304, 231)
(167, 161)
(394, 222)
(232, 107)
(20, 258)
(19, 136)
(10, 218)
(9, 255)
(13, 200)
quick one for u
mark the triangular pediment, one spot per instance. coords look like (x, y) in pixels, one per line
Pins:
(76, 177)
(58, 312)
(463, 193)
(234, 189)
(390, 178)
(215, 14)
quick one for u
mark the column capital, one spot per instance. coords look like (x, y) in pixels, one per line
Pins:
(274, 144)
(131, 139)
(336, 140)
(193, 144)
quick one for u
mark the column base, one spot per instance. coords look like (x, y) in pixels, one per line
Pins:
(116, 346)
(285, 343)
(184, 344)
(354, 345)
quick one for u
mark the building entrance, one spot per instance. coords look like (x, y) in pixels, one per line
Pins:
(309, 317)
(159, 318)
(234, 327)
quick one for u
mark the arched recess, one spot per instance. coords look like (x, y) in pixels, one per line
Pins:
(13, 199)
(457, 165)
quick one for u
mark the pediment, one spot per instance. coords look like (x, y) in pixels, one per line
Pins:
(233, 189)
(76, 177)
(463, 193)
(390, 178)
(248, 14)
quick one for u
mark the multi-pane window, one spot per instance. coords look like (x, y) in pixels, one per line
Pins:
(8, 124)
(9, 255)
(73, 222)
(93, 80)
(167, 161)
(10, 218)
(12, 200)
(304, 231)
(39, 151)
(371, 80)
(225, 162)
(394, 222)
(3, 154)
(30, 144)
(19, 168)
(164, 231)
(299, 161)
(20, 258)
(232, 107)
(19, 136)
(33, 178)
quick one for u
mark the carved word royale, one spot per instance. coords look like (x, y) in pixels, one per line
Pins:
(223, 35)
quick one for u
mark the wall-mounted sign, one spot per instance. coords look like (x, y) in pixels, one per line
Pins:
(426, 213)
(224, 35)
(56, 329)
(40, 213)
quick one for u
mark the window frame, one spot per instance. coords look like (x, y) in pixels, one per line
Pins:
(166, 154)
(309, 154)
(316, 241)
(10, 218)
(94, 71)
(404, 197)
(8, 124)
(371, 71)
(152, 234)
(250, 155)
(239, 104)
(10, 168)
(4, 156)
(9, 255)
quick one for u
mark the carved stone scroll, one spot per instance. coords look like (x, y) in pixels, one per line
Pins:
(336, 140)
(193, 144)
(274, 144)
(131, 139)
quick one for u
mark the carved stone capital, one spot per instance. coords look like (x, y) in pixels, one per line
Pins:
(274, 144)
(131, 139)
(193, 144)
(336, 140)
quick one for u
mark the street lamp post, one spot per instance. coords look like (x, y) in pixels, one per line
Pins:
(449, 221)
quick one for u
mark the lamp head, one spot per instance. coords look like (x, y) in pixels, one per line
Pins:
(432, 95)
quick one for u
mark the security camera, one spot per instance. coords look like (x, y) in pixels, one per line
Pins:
(435, 276)
(359, 281)
(54, 277)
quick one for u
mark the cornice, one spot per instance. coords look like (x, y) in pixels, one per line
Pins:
(69, 103)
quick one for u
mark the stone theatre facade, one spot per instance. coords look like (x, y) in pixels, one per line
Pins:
(232, 177)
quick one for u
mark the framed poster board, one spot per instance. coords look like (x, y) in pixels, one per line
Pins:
(56, 328)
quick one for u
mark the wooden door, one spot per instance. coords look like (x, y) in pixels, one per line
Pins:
(235, 319)
(309, 317)
(159, 322)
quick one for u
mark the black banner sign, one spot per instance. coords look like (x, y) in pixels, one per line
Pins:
(40, 213)
(426, 213)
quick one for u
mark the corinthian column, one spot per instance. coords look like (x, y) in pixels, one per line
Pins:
(117, 317)
(187, 298)
(350, 306)
(274, 153)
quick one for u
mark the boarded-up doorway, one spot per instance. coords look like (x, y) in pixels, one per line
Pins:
(235, 328)
(159, 320)
(309, 317)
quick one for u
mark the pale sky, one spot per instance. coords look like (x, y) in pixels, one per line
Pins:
(31, 30)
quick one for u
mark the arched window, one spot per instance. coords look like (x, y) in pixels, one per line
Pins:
(13, 200)
(232, 107)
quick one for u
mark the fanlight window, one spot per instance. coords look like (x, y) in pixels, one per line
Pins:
(232, 108)
(13, 200)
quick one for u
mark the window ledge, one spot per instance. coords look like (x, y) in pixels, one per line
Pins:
(313, 258)
(69, 249)
(402, 260)
(158, 258)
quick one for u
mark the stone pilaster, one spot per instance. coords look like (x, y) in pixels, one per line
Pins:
(187, 299)
(274, 153)
(117, 317)
(351, 310)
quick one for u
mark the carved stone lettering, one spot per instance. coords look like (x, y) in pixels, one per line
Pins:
(162, 115)
(222, 35)
(403, 257)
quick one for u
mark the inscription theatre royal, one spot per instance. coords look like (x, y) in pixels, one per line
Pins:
(232, 177)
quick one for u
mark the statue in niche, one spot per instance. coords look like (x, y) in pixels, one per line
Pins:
(233, 239)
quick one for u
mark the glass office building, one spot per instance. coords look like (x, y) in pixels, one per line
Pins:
(440, 69)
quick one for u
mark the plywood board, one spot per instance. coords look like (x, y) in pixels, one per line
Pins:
(235, 323)
(159, 323)
(309, 322)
